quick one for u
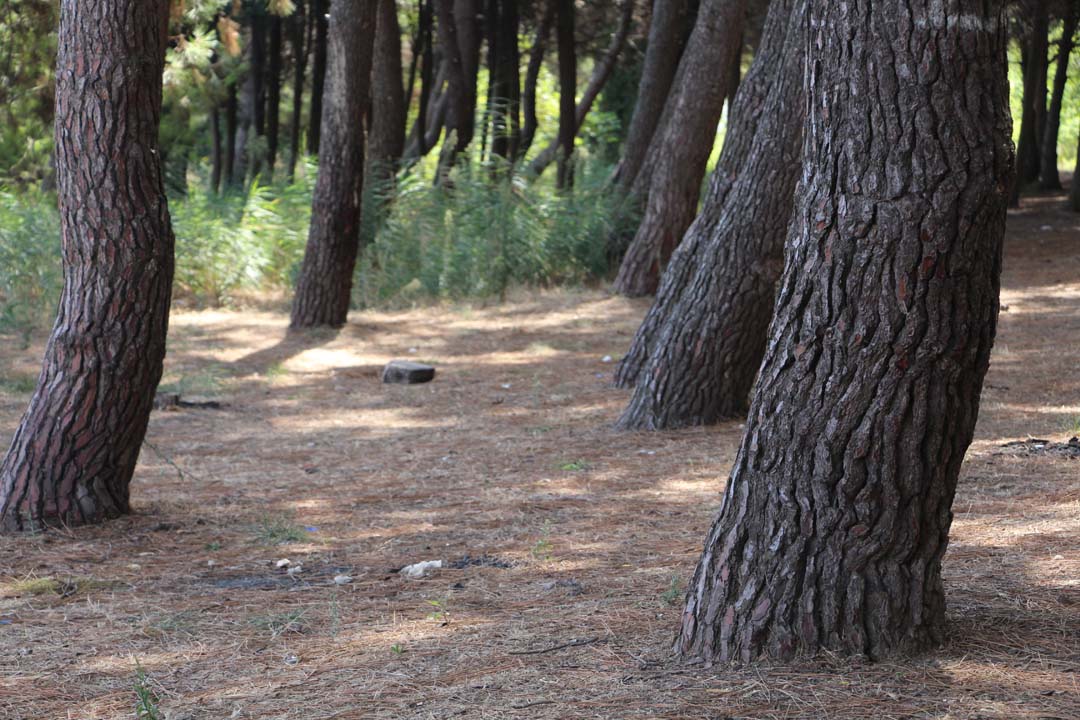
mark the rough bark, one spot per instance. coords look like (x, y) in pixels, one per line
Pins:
(320, 8)
(600, 75)
(386, 140)
(532, 76)
(299, 50)
(705, 336)
(324, 287)
(1049, 178)
(564, 34)
(75, 450)
(667, 39)
(683, 144)
(836, 516)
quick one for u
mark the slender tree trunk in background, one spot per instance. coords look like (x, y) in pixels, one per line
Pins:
(836, 516)
(386, 140)
(1074, 190)
(507, 74)
(324, 287)
(682, 145)
(600, 75)
(74, 453)
(1049, 178)
(667, 38)
(1034, 96)
(417, 146)
(231, 129)
(705, 336)
(460, 109)
(215, 137)
(491, 20)
(564, 33)
(318, 74)
(467, 14)
(297, 25)
(273, 95)
(416, 50)
(257, 74)
(532, 76)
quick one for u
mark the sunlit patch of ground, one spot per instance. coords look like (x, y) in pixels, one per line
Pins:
(574, 541)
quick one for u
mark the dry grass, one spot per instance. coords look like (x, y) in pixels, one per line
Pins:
(509, 456)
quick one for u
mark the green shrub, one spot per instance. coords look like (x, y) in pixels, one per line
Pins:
(30, 271)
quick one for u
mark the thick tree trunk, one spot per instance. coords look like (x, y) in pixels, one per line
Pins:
(683, 144)
(74, 452)
(532, 76)
(297, 25)
(273, 95)
(1034, 98)
(386, 141)
(600, 75)
(506, 82)
(706, 335)
(318, 74)
(564, 33)
(324, 287)
(836, 517)
(1049, 179)
(667, 38)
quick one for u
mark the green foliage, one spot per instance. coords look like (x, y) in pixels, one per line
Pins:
(146, 701)
(27, 57)
(30, 272)
(279, 531)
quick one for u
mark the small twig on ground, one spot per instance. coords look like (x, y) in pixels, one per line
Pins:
(168, 460)
(533, 704)
(573, 643)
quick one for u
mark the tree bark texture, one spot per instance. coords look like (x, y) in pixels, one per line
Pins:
(667, 39)
(682, 146)
(318, 74)
(836, 517)
(600, 75)
(386, 140)
(1049, 178)
(324, 287)
(708, 332)
(564, 33)
(75, 450)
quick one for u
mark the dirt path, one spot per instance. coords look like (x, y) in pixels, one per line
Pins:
(574, 540)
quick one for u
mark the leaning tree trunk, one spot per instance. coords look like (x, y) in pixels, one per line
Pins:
(836, 517)
(682, 146)
(386, 141)
(74, 452)
(667, 38)
(707, 334)
(324, 287)
(564, 33)
(530, 123)
(1049, 178)
(318, 74)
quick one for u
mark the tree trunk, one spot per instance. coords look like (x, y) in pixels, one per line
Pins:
(215, 138)
(461, 105)
(231, 130)
(600, 75)
(387, 137)
(506, 82)
(1049, 179)
(1074, 190)
(273, 95)
(836, 516)
(324, 287)
(704, 338)
(1034, 95)
(318, 74)
(256, 87)
(532, 76)
(74, 452)
(299, 50)
(564, 33)
(683, 144)
(667, 38)
(418, 146)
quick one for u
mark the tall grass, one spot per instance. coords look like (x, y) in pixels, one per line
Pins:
(476, 238)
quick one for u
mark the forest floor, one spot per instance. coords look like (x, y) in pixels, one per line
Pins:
(572, 542)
